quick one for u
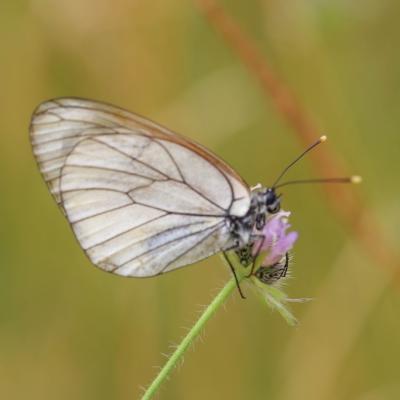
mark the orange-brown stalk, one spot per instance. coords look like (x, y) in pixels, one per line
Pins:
(350, 209)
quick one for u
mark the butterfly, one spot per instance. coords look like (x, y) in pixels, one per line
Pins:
(141, 199)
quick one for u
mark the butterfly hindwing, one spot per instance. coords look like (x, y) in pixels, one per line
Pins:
(140, 199)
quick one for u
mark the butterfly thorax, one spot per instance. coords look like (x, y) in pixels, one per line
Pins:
(247, 229)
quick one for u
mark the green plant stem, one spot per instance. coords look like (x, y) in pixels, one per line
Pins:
(189, 338)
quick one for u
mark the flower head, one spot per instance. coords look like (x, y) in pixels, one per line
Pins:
(277, 242)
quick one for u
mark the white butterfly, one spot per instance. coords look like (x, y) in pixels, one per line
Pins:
(141, 199)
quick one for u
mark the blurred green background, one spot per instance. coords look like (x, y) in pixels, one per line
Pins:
(70, 331)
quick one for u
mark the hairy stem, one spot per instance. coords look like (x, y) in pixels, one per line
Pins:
(189, 338)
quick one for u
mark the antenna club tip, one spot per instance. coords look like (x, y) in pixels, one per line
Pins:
(356, 179)
(323, 138)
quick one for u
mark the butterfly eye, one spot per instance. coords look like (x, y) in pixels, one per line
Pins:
(273, 209)
(272, 202)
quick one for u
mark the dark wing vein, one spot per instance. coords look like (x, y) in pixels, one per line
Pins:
(130, 157)
(126, 231)
(214, 227)
(192, 247)
(102, 213)
(125, 114)
(230, 188)
(186, 182)
(171, 158)
(160, 172)
(114, 170)
(177, 212)
(100, 189)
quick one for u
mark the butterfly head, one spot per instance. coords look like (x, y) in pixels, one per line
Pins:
(265, 202)
(272, 201)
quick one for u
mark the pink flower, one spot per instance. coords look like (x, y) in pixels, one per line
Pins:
(276, 241)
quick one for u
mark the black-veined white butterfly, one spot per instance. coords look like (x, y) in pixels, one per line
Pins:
(143, 200)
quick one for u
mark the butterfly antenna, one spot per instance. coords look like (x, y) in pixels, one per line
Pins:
(315, 144)
(349, 179)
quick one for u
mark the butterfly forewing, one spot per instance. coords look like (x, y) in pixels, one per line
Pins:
(141, 200)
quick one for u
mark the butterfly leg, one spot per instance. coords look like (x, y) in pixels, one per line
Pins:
(261, 239)
(286, 266)
(234, 274)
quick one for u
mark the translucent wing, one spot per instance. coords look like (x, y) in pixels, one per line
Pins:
(141, 199)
